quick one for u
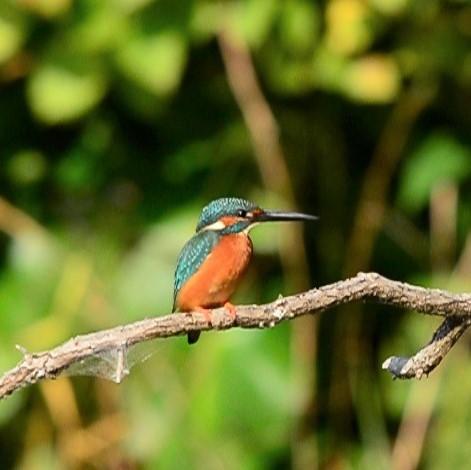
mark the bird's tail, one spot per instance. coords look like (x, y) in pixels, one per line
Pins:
(193, 336)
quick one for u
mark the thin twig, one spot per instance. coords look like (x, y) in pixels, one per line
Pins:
(427, 358)
(264, 134)
(15, 222)
(364, 286)
(372, 206)
(258, 116)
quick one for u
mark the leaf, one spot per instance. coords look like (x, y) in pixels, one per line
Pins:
(58, 94)
(373, 78)
(440, 157)
(155, 61)
(299, 27)
(11, 38)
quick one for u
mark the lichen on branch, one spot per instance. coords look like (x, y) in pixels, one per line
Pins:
(112, 345)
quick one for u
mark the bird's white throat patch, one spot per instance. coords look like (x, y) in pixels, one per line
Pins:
(218, 225)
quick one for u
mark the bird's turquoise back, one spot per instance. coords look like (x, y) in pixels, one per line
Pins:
(193, 254)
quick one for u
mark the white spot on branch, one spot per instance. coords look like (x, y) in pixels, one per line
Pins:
(104, 353)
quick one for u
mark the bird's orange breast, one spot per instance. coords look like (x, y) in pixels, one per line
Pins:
(216, 279)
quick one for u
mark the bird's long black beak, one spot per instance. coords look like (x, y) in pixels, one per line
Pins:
(283, 216)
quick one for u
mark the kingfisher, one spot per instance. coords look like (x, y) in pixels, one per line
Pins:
(213, 262)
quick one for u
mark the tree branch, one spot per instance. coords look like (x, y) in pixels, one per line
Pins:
(456, 308)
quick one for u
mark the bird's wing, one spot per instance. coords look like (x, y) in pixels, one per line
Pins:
(192, 256)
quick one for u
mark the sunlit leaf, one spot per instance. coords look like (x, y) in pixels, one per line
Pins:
(100, 30)
(372, 79)
(57, 94)
(11, 38)
(300, 26)
(49, 8)
(439, 157)
(389, 7)
(348, 28)
(252, 19)
(155, 61)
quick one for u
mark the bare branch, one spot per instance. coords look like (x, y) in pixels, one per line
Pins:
(264, 133)
(364, 286)
(427, 358)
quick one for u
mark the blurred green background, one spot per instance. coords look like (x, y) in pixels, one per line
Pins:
(120, 119)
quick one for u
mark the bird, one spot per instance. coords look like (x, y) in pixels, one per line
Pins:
(213, 262)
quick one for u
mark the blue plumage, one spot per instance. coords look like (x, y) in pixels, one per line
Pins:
(192, 256)
(225, 206)
(200, 245)
(224, 224)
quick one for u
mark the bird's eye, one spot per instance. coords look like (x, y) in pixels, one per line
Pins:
(241, 213)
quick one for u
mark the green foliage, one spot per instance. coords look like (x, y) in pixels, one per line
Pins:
(118, 123)
(439, 158)
(58, 95)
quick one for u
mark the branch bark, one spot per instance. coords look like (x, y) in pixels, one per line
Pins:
(455, 308)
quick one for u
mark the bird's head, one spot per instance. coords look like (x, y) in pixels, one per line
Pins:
(233, 215)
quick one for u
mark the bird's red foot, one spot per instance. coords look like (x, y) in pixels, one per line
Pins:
(231, 309)
(206, 313)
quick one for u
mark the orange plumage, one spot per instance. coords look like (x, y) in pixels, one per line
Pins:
(214, 260)
(217, 278)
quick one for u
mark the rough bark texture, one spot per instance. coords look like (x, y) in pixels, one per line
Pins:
(456, 308)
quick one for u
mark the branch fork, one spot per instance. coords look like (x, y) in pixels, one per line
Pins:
(113, 344)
